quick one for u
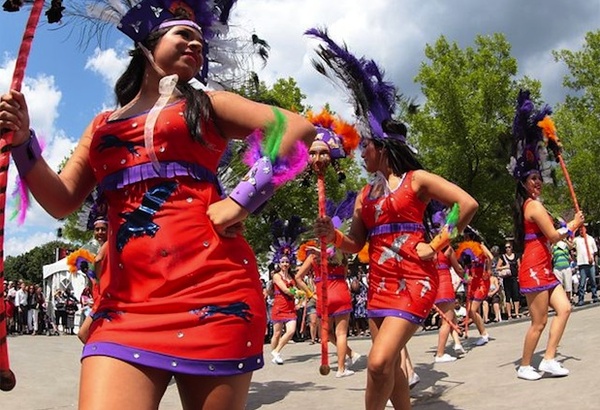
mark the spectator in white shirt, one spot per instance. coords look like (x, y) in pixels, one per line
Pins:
(21, 308)
(586, 249)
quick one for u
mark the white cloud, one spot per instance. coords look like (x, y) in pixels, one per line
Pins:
(109, 64)
(395, 33)
(14, 246)
(43, 100)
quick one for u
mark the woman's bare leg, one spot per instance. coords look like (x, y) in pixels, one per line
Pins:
(538, 310)
(213, 393)
(385, 378)
(107, 383)
(562, 306)
(447, 309)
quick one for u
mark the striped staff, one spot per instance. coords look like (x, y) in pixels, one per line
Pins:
(7, 377)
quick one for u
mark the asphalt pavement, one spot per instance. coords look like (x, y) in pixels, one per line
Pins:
(47, 370)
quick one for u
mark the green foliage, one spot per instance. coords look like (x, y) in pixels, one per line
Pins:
(284, 93)
(578, 122)
(29, 266)
(463, 130)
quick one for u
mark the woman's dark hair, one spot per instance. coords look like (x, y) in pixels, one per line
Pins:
(198, 108)
(521, 196)
(400, 157)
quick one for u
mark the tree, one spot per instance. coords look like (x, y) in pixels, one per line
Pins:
(463, 131)
(29, 266)
(578, 123)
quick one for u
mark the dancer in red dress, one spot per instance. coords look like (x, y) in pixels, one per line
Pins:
(283, 312)
(534, 232)
(389, 213)
(177, 268)
(476, 259)
(446, 296)
(339, 300)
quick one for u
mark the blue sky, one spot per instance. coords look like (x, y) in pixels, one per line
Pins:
(66, 84)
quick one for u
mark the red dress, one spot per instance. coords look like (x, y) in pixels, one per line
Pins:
(479, 286)
(174, 294)
(284, 305)
(400, 283)
(535, 272)
(445, 292)
(479, 280)
(339, 300)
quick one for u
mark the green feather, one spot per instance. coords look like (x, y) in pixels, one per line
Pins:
(274, 135)
(452, 219)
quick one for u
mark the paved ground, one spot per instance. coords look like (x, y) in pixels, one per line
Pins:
(47, 371)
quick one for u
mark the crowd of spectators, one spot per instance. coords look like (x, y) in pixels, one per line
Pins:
(30, 312)
(577, 272)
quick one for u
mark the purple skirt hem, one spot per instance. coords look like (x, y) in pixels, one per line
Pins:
(219, 368)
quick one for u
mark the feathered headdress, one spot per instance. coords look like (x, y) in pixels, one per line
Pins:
(138, 18)
(285, 234)
(342, 211)
(374, 99)
(339, 213)
(338, 135)
(529, 153)
(444, 216)
(469, 252)
(76, 259)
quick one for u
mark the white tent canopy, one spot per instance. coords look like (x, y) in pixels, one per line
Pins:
(57, 276)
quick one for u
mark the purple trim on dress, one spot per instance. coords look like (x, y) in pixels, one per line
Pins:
(442, 266)
(396, 228)
(336, 314)
(168, 169)
(331, 277)
(533, 236)
(172, 363)
(283, 320)
(445, 300)
(340, 313)
(540, 288)
(396, 313)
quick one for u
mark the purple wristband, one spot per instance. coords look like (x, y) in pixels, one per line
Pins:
(256, 187)
(26, 154)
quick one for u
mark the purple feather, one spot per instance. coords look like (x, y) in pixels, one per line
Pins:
(374, 99)
(345, 209)
(342, 211)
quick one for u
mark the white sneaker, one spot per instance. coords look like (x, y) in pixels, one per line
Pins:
(445, 358)
(528, 373)
(276, 358)
(482, 340)
(413, 381)
(345, 373)
(351, 361)
(553, 367)
(459, 349)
